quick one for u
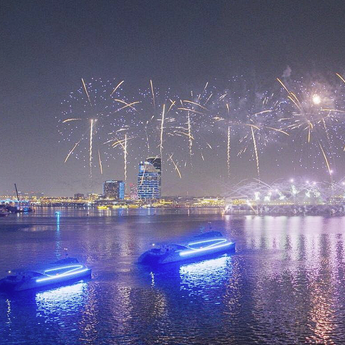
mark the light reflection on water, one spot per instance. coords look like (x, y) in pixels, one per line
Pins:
(284, 285)
(63, 299)
(200, 277)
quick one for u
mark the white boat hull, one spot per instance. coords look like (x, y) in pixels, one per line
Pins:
(36, 283)
(170, 257)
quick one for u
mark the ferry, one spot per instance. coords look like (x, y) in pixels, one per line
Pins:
(60, 272)
(201, 246)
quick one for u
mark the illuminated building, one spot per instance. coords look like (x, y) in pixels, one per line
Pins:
(133, 192)
(78, 196)
(92, 196)
(149, 179)
(114, 189)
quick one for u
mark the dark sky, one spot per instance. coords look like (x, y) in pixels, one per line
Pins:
(47, 46)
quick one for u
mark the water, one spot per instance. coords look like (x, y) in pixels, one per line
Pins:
(284, 285)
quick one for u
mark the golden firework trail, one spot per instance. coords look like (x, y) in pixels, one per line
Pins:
(194, 103)
(175, 165)
(125, 157)
(209, 97)
(326, 130)
(87, 93)
(190, 141)
(222, 96)
(90, 147)
(162, 131)
(100, 163)
(171, 105)
(71, 119)
(228, 150)
(117, 142)
(283, 85)
(116, 87)
(256, 153)
(153, 94)
(74, 147)
(217, 118)
(123, 144)
(332, 111)
(147, 140)
(191, 110)
(228, 108)
(263, 112)
(326, 160)
(183, 133)
(126, 105)
(251, 125)
(341, 78)
(291, 96)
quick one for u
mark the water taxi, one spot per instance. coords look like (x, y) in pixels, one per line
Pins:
(59, 272)
(206, 244)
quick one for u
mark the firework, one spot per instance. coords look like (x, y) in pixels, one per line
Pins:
(242, 122)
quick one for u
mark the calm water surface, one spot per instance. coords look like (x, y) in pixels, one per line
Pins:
(285, 284)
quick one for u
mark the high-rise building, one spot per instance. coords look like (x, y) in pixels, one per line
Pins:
(114, 189)
(149, 178)
(133, 191)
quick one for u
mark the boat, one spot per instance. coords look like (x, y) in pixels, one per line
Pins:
(60, 272)
(200, 246)
(3, 212)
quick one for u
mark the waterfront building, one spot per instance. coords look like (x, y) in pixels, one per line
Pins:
(78, 196)
(133, 191)
(92, 196)
(149, 179)
(113, 189)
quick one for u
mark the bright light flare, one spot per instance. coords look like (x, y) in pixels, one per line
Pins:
(316, 99)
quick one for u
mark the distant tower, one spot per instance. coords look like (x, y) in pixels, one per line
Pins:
(113, 189)
(149, 179)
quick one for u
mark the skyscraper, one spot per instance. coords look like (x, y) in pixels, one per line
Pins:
(114, 189)
(149, 178)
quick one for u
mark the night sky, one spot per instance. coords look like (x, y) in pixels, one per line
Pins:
(48, 46)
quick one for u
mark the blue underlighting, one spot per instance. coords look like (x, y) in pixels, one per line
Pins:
(206, 249)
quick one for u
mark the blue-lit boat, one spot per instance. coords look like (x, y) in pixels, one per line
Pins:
(60, 272)
(200, 246)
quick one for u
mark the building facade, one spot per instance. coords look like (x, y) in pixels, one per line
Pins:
(113, 189)
(149, 179)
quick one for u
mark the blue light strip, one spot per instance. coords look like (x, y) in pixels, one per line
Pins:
(58, 276)
(195, 251)
(215, 240)
(75, 267)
